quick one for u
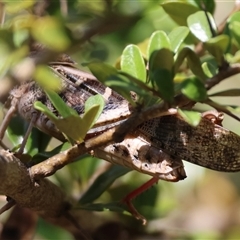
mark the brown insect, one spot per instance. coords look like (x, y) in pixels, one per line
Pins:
(156, 147)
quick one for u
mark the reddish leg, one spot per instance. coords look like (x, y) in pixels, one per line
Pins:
(128, 199)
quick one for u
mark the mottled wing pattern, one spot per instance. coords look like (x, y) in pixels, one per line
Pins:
(208, 145)
(76, 87)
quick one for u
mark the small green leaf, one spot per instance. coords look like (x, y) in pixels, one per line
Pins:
(177, 36)
(102, 183)
(73, 126)
(42, 108)
(199, 25)
(101, 71)
(234, 29)
(209, 69)
(227, 93)
(193, 62)
(59, 104)
(89, 115)
(51, 32)
(161, 64)
(191, 117)
(119, 82)
(194, 89)
(161, 59)
(158, 40)
(164, 81)
(132, 62)
(70, 125)
(179, 58)
(217, 46)
(179, 11)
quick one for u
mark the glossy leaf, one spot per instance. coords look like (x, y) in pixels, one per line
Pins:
(50, 32)
(132, 62)
(164, 81)
(159, 52)
(194, 89)
(161, 59)
(191, 117)
(158, 40)
(179, 11)
(177, 36)
(193, 62)
(102, 183)
(209, 69)
(217, 46)
(161, 64)
(199, 26)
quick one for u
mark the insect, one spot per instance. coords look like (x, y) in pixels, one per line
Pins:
(208, 145)
(134, 152)
(156, 147)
